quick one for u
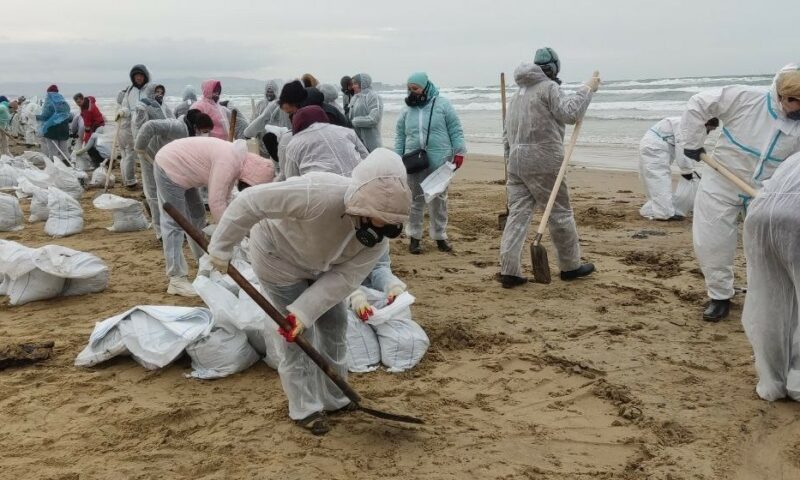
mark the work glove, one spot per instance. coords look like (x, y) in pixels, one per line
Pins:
(458, 160)
(688, 176)
(360, 305)
(593, 84)
(122, 113)
(219, 264)
(395, 292)
(297, 328)
(694, 154)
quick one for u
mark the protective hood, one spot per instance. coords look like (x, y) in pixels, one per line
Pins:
(256, 170)
(379, 188)
(363, 79)
(150, 91)
(528, 74)
(140, 69)
(189, 94)
(787, 126)
(421, 79)
(548, 57)
(329, 92)
(307, 116)
(209, 86)
(276, 86)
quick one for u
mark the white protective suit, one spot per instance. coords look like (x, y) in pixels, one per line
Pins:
(128, 100)
(322, 147)
(660, 147)
(304, 250)
(771, 314)
(366, 112)
(756, 138)
(189, 97)
(535, 141)
(275, 85)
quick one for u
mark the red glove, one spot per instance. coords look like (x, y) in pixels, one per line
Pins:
(297, 328)
(458, 160)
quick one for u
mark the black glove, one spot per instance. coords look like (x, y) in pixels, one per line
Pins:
(694, 154)
(688, 176)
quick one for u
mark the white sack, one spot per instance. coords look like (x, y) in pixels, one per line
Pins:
(65, 215)
(10, 213)
(438, 181)
(223, 352)
(128, 214)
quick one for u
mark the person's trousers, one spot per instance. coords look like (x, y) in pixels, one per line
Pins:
(56, 148)
(128, 164)
(186, 201)
(150, 192)
(97, 159)
(654, 170)
(524, 194)
(437, 209)
(308, 389)
(4, 150)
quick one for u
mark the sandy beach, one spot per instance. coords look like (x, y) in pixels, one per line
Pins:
(612, 377)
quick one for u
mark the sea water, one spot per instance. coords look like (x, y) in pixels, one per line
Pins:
(619, 115)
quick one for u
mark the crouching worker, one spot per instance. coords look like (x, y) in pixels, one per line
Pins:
(770, 317)
(314, 239)
(181, 167)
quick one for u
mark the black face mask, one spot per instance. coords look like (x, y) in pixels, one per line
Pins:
(416, 99)
(369, 235)
(271, 96)
(160, 99)
(794, 115)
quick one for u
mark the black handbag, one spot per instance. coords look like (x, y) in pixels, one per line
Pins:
(417, 160)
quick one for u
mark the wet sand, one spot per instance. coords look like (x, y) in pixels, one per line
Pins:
(611, 377)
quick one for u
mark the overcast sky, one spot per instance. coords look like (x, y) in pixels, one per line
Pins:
(459, 42)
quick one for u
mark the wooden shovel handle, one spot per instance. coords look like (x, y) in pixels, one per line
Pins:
(232, 130)
(719, 168)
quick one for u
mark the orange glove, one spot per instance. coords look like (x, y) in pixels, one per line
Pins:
(297, 328)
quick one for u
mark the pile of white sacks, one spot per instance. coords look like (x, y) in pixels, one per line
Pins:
(234, 333)
(31, 274)
(54, 191)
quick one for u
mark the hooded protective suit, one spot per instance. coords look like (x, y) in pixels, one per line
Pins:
(446, 139)
(366, 112)
(5, 120)
(771, 316)
(273, 85)
(307, 257)
(534, 139)
(128, 99)
(756, 137)
(189, 97)
(660, 147)
(323, 147)
(217, 112)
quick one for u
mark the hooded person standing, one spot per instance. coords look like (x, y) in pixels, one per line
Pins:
(185, 165)
(534, 139)
(188, 98)
(428, 122)
(366, 112)
(5, 121)
(92, 117)
(54, 124)
(660, 147)
(760, 130)
(318, 146)
(313, 240)
(271, 91)
(771, 315)
(128, 99)
(209, 105)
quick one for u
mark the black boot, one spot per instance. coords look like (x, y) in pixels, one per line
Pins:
(511, 281)
(717, 310)
(443, 246)
(414, 247)
(582, 271)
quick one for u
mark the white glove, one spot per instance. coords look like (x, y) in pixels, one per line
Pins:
(395, 292)
(122, 113)
(360, 305)
(219, 264)
(593, 84)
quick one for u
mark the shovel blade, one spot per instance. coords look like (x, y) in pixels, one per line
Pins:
(391, 416)
(541, 266)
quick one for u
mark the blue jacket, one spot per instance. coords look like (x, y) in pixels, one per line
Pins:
(446, 138)
(55, 112)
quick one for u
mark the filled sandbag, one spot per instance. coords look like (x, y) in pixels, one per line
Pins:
(39, 199)
(24, 282)
(83, 272)
(8, 175)
(37, 159)
(65, 215)
(127, 213)
(223, 352)
(10, 213)
(153, 335)
(363, 349)
(403, 342)
(99, 176)
(37, 177)
(65, 178)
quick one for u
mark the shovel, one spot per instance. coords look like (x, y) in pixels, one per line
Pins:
(232, 130)
(300, 341)
(541, 265)
(503, 217)
(713, 163)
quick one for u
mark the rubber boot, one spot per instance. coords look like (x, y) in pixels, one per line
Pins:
(717, 310)
(582, 271)
(414, 246)
(443, 246)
